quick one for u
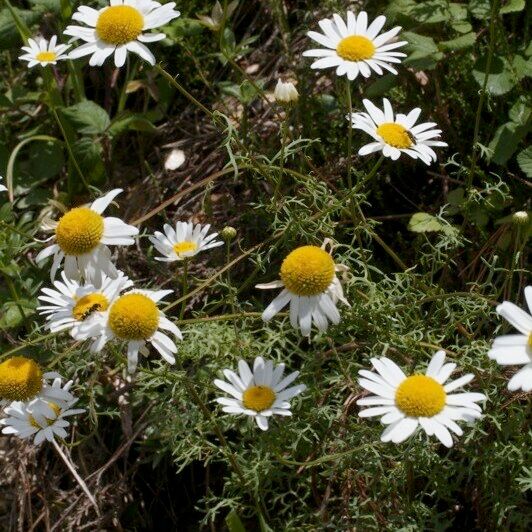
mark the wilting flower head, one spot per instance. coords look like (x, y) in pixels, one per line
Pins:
(353, 47)
(419, 401)
(285, 93)
(43, 53)
(118, 29)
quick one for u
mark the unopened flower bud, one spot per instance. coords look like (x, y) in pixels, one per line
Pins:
(520, 218)
(285, 93)
(228, 233)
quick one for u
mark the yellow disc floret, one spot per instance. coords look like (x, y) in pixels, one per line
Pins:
(134, 317)
(530, 340)
(420, 396)
(355, 48)
(88, 304)
(395, 135)
(79, 231)
(258, 398)
(307, 271)
(20, 379)
(185, 247)
(119, 24)
(56, 409)
(46, 57)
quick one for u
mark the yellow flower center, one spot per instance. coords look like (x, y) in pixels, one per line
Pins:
(79, 231)
(307, 271)
(258, 398)
(46, 56)
(420, 396)
(185, 247)
(57, 410)
(20, 379)
(119, 24)
(395, 135)
(134, 317)
(355, 48)
(88, 304)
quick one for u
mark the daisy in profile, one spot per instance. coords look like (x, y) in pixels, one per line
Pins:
(81, 237)
(40, 419)
(183, 242)
(260, 393)
(309, 284)
(516, 349)
(133, 318)
(22, 380)
(419, 401)
(71, 303)
(44, 53)
(119, 28)
(396, 135)
(353, 47)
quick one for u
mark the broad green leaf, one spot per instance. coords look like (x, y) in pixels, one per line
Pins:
(423, 222)
(87, 118)
(431, 12)
(9, 34)
(131, 122)
(520, 113)
(46, 159)
(381, 85)
(512, 6)
(506, 141)
(464, 41)
(480, 8)
(234, 523)
(524, 160)
(422, 51)
(88, 155)
(501, 78)
(12, 316)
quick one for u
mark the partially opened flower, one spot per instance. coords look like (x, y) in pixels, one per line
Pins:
(353, 47)
(397, 134)
(119, 28)
(21, 379)
(81, 239)
(516, 349)
(43, 419)
(44, 53)
(285, 93)
(310, 286)
(133, 318)
(183, 242)
(261, 393)
(72, 303)
(419, 401)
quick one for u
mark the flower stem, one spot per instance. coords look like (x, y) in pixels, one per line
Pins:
(284, 137)
(349, 133)
(184, 288)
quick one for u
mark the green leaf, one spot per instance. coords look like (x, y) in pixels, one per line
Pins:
(512, 6)
(128, 121)
(431, 12)
(423, 222)
(480, 8)
(381, 85)
(9, 34)
(46, 159)
(234, 523)
(520, 112)
(12, 316)
(459, 43)
(524, 160)
(501, 77)
(422, 51)
(88, 155)
(87, 118)
(506, 141)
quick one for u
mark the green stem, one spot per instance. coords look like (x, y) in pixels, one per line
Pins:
(184, 288)
(349, 132)
(14, 295)
(284, 136)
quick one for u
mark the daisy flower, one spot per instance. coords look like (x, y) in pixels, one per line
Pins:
(353, 47)
(133, 318)
(40, 418)
(406, 403)
(310, 285)
(261, 393)
(516, 349)
(285, 93)
(71, 303)
(21, 379)
(81, 238)
(44, 53)
(118, 29)
(183, 242)
(394, 136)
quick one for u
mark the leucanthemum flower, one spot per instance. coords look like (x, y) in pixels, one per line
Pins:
(21, 379)
(81, 238)
(516, 349)
(396, 135)
(44, 53)
(261, 393)
(183, 242)
(133, 318)
(310, 285)
(43, 419)
(71, 303)
(118, 29)
(353, 47)
(406, 403)
(285, 93)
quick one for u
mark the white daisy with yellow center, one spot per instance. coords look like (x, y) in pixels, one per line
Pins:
(183, 241)
(407, 403)
(133, 318)
(119, 28)
(310, 286)
(81, 238)
(71, 303)
(41, 418)
(44, 53)
(516, 349)
(261, 393)
(353, 47)
(397, 134)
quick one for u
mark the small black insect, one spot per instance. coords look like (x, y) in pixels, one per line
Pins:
(90, 310)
